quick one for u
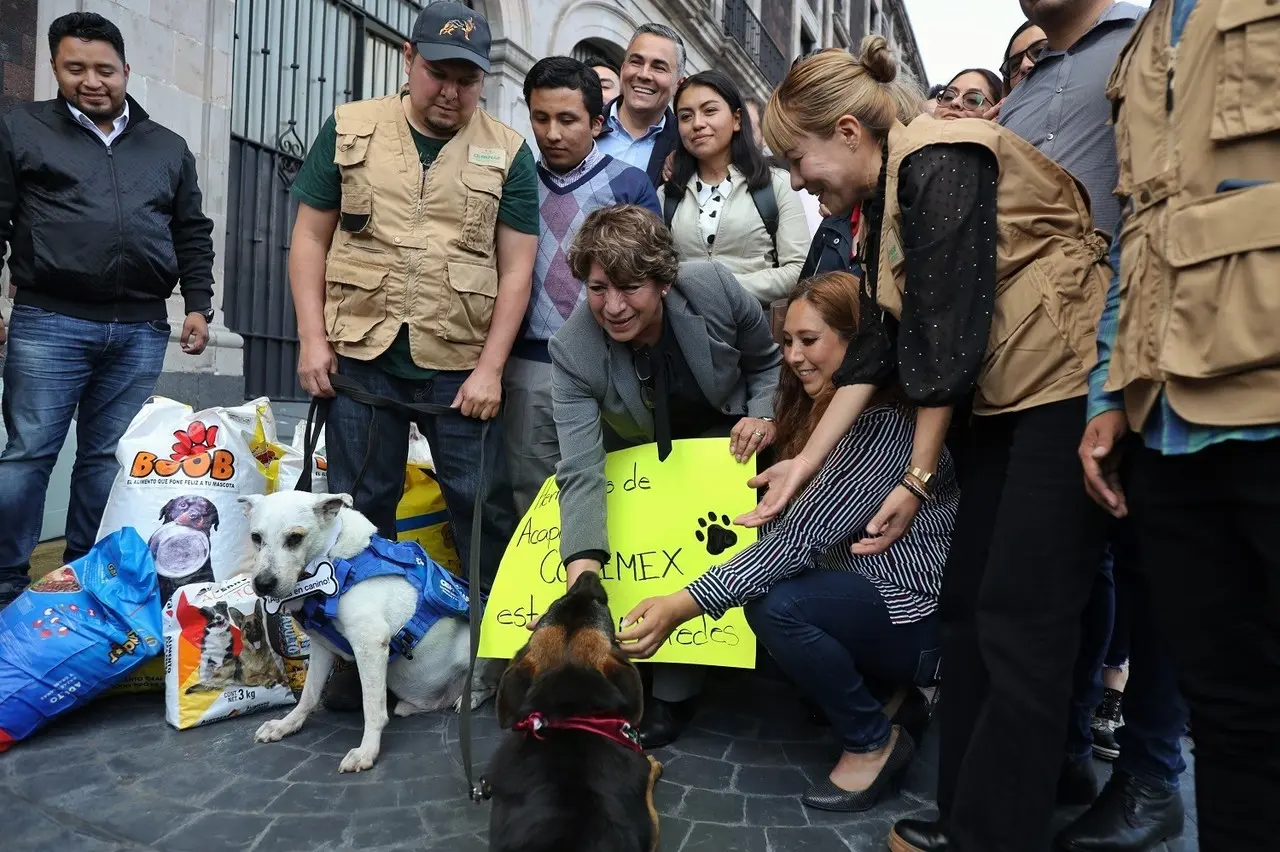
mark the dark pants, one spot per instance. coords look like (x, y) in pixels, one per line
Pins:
(1023, 558)
(1207, 527)
(1155, 716)
(355, 429)
(828, 631)
(58, 367)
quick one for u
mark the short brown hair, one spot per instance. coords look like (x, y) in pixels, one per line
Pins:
(629, 242)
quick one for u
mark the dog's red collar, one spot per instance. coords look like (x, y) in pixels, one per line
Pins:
(613, 728)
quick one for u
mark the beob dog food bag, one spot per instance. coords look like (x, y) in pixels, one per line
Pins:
(226, 656)
(180, 474)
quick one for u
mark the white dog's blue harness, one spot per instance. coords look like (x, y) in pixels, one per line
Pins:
(440, 594)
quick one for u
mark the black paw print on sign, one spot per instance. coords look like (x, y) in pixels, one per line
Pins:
(717, 536)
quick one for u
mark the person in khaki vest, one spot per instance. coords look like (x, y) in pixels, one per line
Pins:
(1189, 359)
(411, 263)
(985, 280)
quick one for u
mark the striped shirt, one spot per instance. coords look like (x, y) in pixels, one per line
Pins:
(831, 514)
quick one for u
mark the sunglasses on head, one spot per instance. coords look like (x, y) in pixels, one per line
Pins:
(1033, 52)
(971, 99)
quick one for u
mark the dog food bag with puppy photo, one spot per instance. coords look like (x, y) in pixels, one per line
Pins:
(180, 474)
(226, 656)
(76, 632)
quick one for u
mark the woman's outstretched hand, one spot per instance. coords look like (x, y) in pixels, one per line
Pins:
(890, 523)
(652, 620)
(784, 481)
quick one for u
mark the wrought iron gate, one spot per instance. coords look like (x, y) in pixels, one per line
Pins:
(294, 61)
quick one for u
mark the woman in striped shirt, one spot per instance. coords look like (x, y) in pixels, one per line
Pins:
(831, 607)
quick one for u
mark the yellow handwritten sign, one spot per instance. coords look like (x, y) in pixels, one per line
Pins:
(668, 523)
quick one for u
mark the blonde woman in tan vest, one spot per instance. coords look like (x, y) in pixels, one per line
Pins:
(1189, 351)
(984, 282)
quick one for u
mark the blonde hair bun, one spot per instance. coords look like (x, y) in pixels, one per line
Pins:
(878, 59)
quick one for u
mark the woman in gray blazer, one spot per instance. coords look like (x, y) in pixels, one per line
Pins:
(659, 351)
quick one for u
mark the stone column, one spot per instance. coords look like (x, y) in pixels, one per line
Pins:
(179, 53)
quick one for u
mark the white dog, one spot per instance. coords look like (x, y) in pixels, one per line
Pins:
(291, 529)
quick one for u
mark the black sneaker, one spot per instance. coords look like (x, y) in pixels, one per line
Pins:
(1106, 719)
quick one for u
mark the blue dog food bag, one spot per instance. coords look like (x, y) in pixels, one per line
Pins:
(77, 632)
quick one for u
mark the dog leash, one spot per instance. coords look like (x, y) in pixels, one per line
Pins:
(317, 417)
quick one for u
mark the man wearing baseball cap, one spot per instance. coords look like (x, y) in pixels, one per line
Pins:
(411, 263)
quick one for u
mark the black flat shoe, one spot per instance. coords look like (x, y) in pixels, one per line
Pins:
(918, 835)
(664, 721)
(826, 796)
(1129, 816)
(914, 714)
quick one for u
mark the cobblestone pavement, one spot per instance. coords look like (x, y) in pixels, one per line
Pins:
(115, 778)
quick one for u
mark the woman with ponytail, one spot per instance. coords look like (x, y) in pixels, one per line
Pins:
(849, 630)
(984, 283)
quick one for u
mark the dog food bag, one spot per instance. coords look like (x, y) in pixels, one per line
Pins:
(319, 463)
(180, 474)
(226, 656)
(75, 632)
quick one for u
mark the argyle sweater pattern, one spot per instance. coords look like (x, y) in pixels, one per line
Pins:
(562, 209)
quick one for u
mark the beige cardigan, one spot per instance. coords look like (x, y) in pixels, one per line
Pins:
(742, 243)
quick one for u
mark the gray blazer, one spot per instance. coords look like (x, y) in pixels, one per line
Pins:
(725, 337)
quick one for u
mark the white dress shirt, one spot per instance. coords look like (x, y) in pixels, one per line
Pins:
(117, 126)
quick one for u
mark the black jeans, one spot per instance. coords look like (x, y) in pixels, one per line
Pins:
(1207, 527)
(1155, 716)
(1023, 560)
(354, 430)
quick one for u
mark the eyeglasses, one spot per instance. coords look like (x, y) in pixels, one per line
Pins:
(643, 366)
(971, 99)
(1033, 52)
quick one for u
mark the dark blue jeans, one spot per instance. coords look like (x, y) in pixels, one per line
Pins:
(830, 631)
(1155, 715)
(58, 367)
(355, 429)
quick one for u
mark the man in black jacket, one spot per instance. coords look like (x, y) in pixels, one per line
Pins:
(101, 212)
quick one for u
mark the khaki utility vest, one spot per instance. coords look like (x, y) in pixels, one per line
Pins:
(1051, 267)
(415, 246)
(1198, 137)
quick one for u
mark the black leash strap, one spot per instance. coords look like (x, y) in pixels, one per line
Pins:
(317, 417)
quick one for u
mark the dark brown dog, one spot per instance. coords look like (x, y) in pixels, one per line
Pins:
(571, 777)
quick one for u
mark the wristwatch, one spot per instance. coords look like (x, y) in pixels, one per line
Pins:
(207, 313)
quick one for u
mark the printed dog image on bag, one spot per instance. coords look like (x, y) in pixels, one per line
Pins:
(226, 656)
(182, 546)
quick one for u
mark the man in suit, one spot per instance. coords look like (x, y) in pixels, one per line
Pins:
(639, 126)
(685, 353)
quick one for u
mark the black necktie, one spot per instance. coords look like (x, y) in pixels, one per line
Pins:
(661, 402)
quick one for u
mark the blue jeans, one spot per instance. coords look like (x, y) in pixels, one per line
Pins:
(355, 429)
(830, 632)
(1155, 715)
(57, 367)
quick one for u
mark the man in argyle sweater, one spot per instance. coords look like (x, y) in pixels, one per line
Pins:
(566, 108)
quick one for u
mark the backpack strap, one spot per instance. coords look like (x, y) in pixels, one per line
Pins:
(767, 206)
(669, 205)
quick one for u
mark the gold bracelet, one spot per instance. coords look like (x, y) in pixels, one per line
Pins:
(909, 484)
(924, 478)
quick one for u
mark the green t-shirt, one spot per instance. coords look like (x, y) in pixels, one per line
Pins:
(319, 185)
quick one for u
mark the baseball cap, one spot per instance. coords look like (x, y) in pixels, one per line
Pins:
(447, 30)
